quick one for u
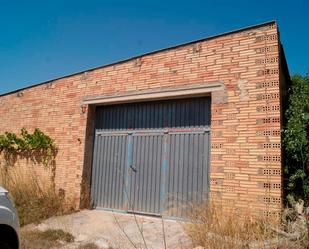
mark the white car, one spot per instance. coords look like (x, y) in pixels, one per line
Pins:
(9, 222)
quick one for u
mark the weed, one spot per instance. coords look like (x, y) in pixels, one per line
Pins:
(213, 227)
(50, 235)
(88, 246)
(34, 198)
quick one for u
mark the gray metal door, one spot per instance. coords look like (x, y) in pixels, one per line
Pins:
(187, 171)
(109, 171)
(145, 173)
(152, 157)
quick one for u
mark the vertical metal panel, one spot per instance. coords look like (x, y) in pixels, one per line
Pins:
(145, 174)
(187, 172)
(155, 115)
(141, 166)
(108, 174)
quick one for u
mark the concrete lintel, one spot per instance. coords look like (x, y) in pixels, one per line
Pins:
(155, 94)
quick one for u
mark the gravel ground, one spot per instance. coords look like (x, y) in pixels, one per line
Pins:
(108, 229)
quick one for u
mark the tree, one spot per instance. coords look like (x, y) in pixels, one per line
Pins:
(296, 139)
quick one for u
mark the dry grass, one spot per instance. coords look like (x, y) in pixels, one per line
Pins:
(50, 235)
(213, 228)
(51, 238)
(34, 198)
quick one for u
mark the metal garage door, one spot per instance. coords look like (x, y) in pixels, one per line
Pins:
(151, 157)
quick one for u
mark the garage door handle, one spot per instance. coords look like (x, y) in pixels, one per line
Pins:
(134, 169)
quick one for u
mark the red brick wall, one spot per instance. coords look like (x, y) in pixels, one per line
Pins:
(245, 153)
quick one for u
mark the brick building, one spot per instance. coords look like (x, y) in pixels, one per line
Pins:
(155, 131)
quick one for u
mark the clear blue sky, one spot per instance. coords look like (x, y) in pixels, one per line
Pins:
(42, 40)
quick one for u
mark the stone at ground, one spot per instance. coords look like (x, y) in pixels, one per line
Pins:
(102, 243)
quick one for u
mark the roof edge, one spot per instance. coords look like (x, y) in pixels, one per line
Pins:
(144, 54)
(284, 63)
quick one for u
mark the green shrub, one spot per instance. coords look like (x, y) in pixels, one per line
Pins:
(296, 139)
(36, 146)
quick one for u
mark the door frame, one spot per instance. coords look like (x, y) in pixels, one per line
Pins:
(90, 102)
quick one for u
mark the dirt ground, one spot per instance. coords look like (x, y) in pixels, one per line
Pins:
(115, 230)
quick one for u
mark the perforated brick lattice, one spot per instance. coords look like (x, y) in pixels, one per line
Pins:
(267, 49)
(268, 133)
(268, 72)
(274, 172)
(271, 214)
(271, 145)
(265, 96)
(268, 120)
(268, 108)
(229, 189)
(267, 84)
(266, 60)
(271, 158)
(271, 185)
(272, 200)
(213, 181)
(216, 146)
(272, 26)
(271, 37)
